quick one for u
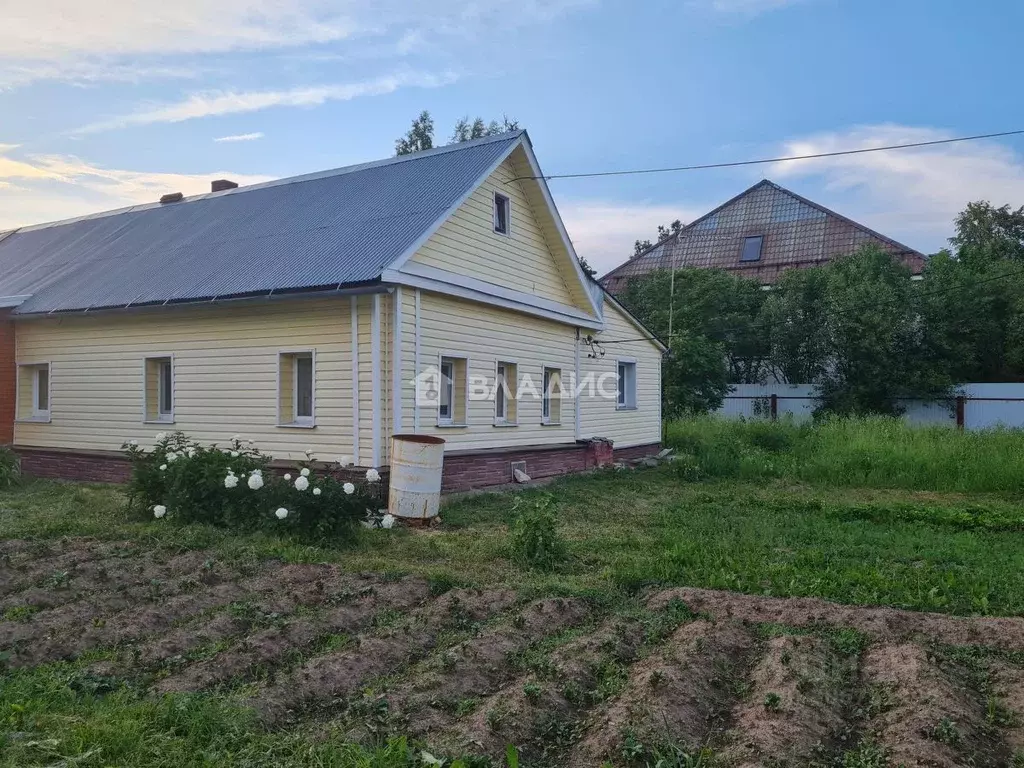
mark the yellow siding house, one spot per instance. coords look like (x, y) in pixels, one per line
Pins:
(434, 293)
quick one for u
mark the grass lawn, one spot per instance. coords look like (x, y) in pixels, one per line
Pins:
(921, 550)
(759, 531)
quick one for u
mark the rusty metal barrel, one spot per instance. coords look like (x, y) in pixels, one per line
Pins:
(416, 462)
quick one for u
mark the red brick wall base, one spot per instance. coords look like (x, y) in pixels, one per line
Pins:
(463, 470)
(472, 470)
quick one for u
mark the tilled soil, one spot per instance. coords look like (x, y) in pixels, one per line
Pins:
(736, 680)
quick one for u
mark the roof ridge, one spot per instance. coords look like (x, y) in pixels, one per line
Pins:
(300, 178)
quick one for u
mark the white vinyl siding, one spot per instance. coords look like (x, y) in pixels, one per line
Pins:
(605, 418)
(476, 331)
(225, 374)
(529, 259)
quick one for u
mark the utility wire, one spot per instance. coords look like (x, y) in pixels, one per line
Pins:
(765, 161)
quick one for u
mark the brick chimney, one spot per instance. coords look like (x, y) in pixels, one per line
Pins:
(219, 185)
(8, 377)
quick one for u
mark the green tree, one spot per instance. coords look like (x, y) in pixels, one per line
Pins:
(986, 234)
(715, 335)
(875, 338)
(467, 131)
(664, 233)
(795, 318)
(419, 137)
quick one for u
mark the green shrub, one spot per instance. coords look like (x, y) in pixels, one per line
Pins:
(535, 540)
(10, 468)
(233, 487)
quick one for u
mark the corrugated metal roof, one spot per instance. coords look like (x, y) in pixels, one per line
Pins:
(326, 229)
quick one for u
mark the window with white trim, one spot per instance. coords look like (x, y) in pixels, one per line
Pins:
(551, 398)
(627, 384)
(451, 399)
(297, 389)
(34, 392)
(505, 386)
(159, 389)
(502, 213)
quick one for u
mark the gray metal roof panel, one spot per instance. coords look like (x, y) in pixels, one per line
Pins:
(333, 228)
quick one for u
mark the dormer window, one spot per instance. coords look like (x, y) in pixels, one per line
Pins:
(752, 248)
(502, 211)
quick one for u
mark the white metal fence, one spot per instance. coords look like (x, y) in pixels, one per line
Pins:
(976, 406)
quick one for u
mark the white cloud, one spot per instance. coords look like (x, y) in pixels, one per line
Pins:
(241, 137)
(52, 30)
(603, 231)
(40, 188)
(217, 103)
(126, 40)
(911, 195)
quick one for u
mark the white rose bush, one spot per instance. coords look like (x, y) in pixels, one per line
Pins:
(181, 481)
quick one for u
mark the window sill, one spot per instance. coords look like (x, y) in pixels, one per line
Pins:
(625, 408)
(296, 425)
(551, 423)
(450, 425)
(164, 420)
(41, 419)
(501, 424)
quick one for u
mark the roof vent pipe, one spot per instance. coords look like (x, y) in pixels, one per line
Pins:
(174, 197)
(219, 185)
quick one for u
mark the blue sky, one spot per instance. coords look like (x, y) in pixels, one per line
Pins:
(113, 103)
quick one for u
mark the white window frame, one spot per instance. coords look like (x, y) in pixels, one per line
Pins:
(507, 205)
(629, 403)
(297, 422)
(545, 398)
(161, 416)
(37, 415)
(449, 420)
(502, 420)
(38, 412)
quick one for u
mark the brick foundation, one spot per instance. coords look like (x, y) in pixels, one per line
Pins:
(62, 464)
(8, 377)
(463, 470)
(471, 470)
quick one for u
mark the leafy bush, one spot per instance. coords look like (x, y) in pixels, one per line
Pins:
(535, 540)
(233, 487)
(10, 468)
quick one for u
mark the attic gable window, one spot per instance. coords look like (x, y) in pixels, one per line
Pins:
(502, 211)
(752, 248)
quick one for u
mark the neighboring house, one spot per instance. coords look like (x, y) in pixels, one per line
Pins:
(300, 313)
(760, 234)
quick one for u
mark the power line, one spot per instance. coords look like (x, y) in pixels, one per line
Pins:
(766, 161)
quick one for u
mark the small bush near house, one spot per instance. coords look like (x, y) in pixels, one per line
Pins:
(232, 487)
(10, 468)
(535, 540)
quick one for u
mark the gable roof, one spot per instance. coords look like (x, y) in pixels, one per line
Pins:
(722, 251)
(322, 230)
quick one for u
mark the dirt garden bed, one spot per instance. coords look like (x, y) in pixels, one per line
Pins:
(749, 680)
